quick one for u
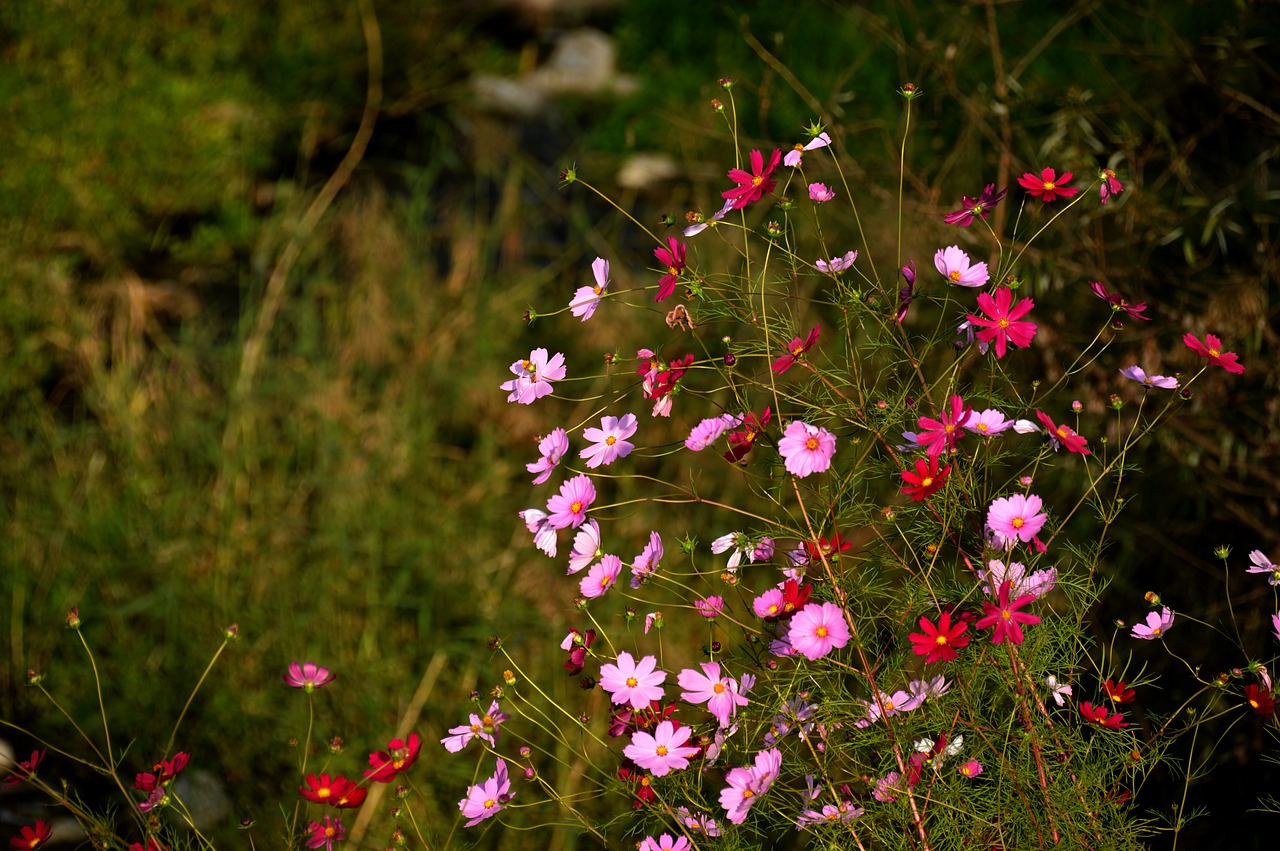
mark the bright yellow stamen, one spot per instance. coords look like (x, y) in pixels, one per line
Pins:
(1017, 522)
(610, 440)
(811, 443)
(926, 481)
(821, 632)
(632, 682)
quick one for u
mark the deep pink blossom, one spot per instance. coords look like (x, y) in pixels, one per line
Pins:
(1047, 186)
(806, 449)
(23, 770)
(926, 480)
(673, 258)
(1064, 435)
(486, 799)
(632, 682)
(1118, 301)
(662, 752)
(609, 442)
(1003, 616)
(322, 834)
(551, 449)
(1110, 185)
(972, 208)
(953, 264)
(746, 785)
(601, 577)
(586, 299)
(1015, 518)
(795, 349)
(752, 187)
(396, 759)
(1004, 323)
(817, 629)
(307, 676)
(1211, 350)
(719, 693)
(569, 507)
(940, 435)
(741, 441)
(710, 607)
(939, 643)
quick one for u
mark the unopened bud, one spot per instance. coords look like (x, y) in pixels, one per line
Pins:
(529, 773)
(726, 83)
(1152, 597)
(588, 682)
(525, 750)
(336, 745)
(717, 105)
(73, 618)
(730, 359)
(1076, 406)
(402, 791)
(232, 633)
(496, 692)
(629, 613)
(1222, 551)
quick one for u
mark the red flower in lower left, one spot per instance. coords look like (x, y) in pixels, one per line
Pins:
(336, 791)
(395, 759)
(31, 836)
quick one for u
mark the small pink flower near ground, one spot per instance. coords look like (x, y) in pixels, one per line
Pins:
(806, 449)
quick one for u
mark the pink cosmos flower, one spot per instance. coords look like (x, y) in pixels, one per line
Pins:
(708, 431)
(1005, 324)
(1064, 435)
(1118, 301)
(1048, 186)
(1005, 617)
(923, 690)
(1036, 584)
(324, 834)
(819, 193)
(752, 187)
(673, 257)
(837, 264)
(1262, 564)
(905, 294)
(631, 682)
(486, 799)
(711, 607)
(666, 842)
(953, 264)
(550, 449)
(743, 546)
(544, 534)
(609, 442)
(1275, 623)
(746, 785)
(646, 564)
(1058, 691)
(768, 604)
(1015, 518)
(975, 207)
(23, 770)
(888, 705)
(569, 507)
(307, 676)
(1110, 185)
(818, 629)
(600, 577)
(940, 435)
(698, 822)
(1157, 625)
(534, 376)
(1135, 373)
(700, 224)
(970, 769)
(1211, 350)
(587, 547)
(795, 155)
(795, 349)
(987, 423)
(483, 727)
(587, 299)
(719, 693)
(806, 449)
(662, 752)
(886, 786)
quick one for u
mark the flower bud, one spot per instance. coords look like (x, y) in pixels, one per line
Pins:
(773, 230)
(402, 791)
(628, 613)
(717, 105)
(232, 633)
(667, 220)
(569, 175)
(525, 750)
(73, 618)
(726, 83)
(1222, 551)
(529, 773)
(1076, 406)
(496, 692)
(336, 745)
(730, 359)
(1115, 402)
(1152, 598)
(509, 677)
(495, 642)
(246, 823)
(588, 682)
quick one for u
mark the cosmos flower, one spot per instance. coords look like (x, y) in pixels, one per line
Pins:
(939, 643)
(1004, 323)
(307, 676)
(484, 800)
(719, 693)
(551, 449)
(837, 264)
(1005, 619)
(586, 299)
(806, 449)
(1047, 186)
(819, 193)
(1016, 518)
(940, 435)
(662, 752)
(631, 682)
(753, 186)
(1135, 373)
(326, 832)
(1110, 185)
(1058, 691)
(1156, 626)
(534, 376)
(926, 480)
(708, 431)
(1102, 716)
(818, 629)
(795, 155)
(1211, 350)
(972, 208)
(1261, 564)
(673, 258)
(953, 264)
(396, 759)
(1118, 302)
(1064, 435)
(569, 507)
(601, 577)
(795, 349)
(609, 442)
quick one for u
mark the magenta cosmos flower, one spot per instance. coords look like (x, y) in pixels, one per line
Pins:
(752, 187)
(673, 257)
(1015, 518)
(601, 577)
(795, 349)
(973, 208)
(483, 727)
(609, 442)
(708, 431)
(307, 676)
(1064, 435)
(719, 693)
(953, 264)
(586, 299)
(569, 507)
(806, 449)
(1004, 323)
(534, 376)
(322, 834)
(665, 842)
(1048, 186)
(796, 155)
(664, 751)
(550, 450)
(1163, 382)
(1005, 618)
(1110, 185)
(819, 193)
(1118, 302)
(1157, 625)
(23, 770)
(817, 629)
(632, 682)
(940, 435)
(939, 643)
(1211, 350)
(746, 785)
(486, 799)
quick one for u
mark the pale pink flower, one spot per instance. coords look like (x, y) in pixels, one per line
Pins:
(662, 752)
(819, 193)
(1058, 691)
(1275, 622)
(551, 449)
(1261, 564)
(746, 785)
(953, 264)
(600, 577)
(743, 547)
(569, 507)
(806, 449)
(586, 299)
(483, 727)
(587, 547)
(987, 423)
(1163, 382)
(837, 264)
(1015, 518)
(708, 431)
(795, 155)
(631, 682)
(534, 376)
(666, 842)
(699, 227)
(544, 534)
(488, 798)
(1157, 625)
(817, 629)
(1036, 584)
(646, 564)
(609, 442)
(719, 693)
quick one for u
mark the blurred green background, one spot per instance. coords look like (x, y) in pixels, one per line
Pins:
(325, 459)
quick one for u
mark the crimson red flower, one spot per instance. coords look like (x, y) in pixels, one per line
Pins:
(577, 643)
(164, 771)
(673, 257)
(975, 207)
(941, 434)
(1111, 186)
(1048, 185)
(665, 380)
(1118, 301)
(1064, 435)
(395, 759)
(1117, 692)
(1102, 716)
(741, 441)
(926, 480)
(336, 791)
(752, 187)
(794, 598)
(795, 349)
(31, 836)
(23, 770)
(629, 772)
(939, 643)
(1211, 350)
(1259, 700)
(1005, 617)
(1005, 324)
(835, 546)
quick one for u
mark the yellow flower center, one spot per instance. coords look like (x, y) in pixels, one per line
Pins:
(1253, 702)
(330, 831)
(799, 147)
(757, 180)
(610, 440)
(1003, 323)
(940, 640)
(1213, 353)
(821, 632)
(1017, 522)
(475, 728)
(1006, 614)
(489, 802)
(324, 793)
(661, 751)
(926, 481)
(747, 793)
(575, 506)
(982, 427)
(1048, 184)
(811, 443)
(718, 688)
(632, 682)
(1155, 630)
(954, 275)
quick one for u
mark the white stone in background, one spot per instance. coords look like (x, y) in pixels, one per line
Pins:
(641, 170)
(583, 63)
